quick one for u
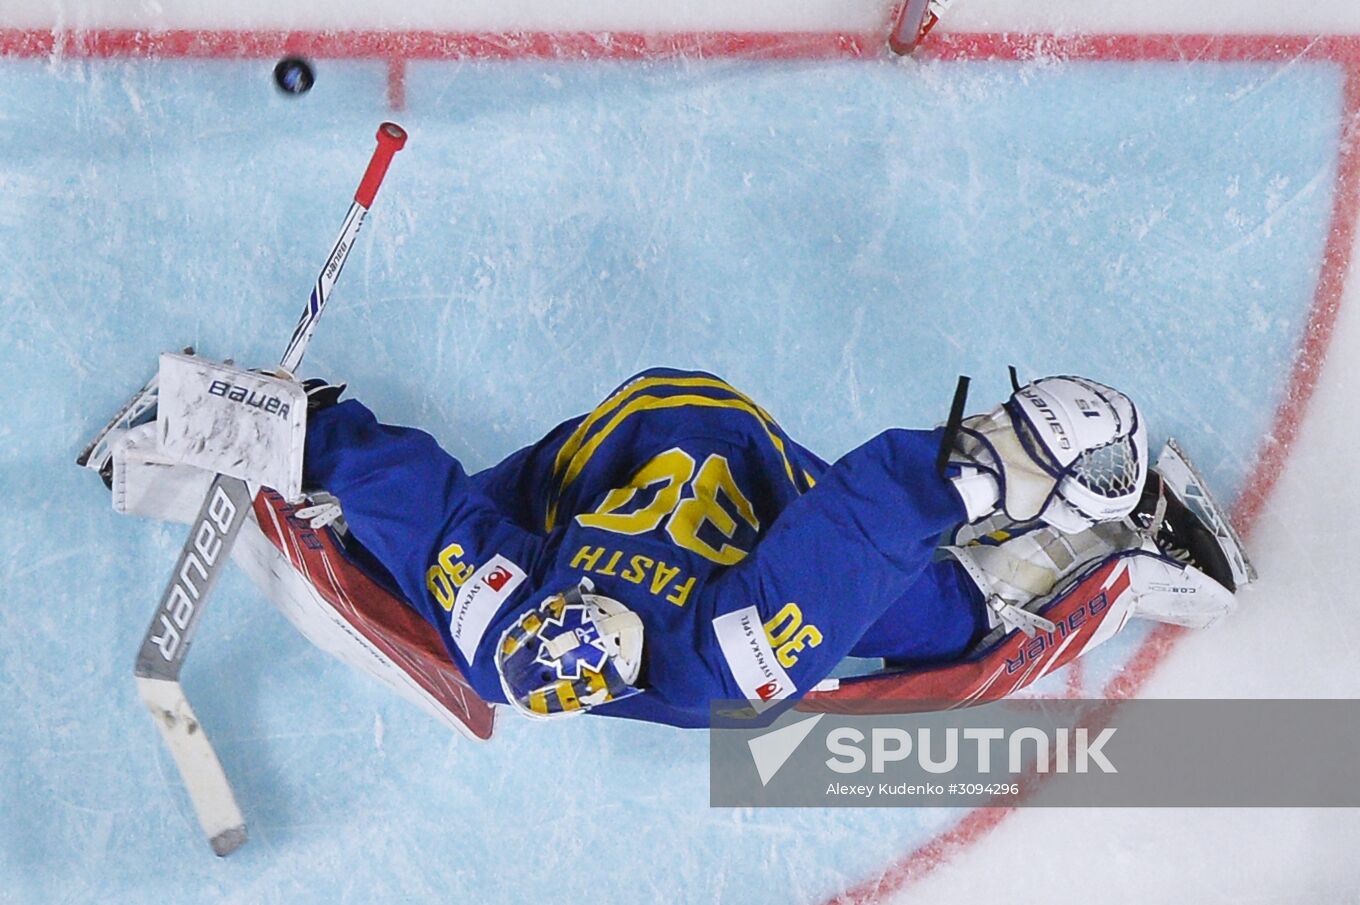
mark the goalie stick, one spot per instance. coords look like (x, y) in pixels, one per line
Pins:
(211, 536)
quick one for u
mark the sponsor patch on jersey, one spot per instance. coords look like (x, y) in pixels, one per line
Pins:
(762, 681)
(479, 599)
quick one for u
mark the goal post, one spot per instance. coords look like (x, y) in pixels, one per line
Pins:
(913, 20)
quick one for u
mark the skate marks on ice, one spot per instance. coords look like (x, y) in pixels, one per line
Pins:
(840, 256)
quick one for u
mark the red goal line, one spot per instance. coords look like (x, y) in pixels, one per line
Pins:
(399, 47)
(108, 43)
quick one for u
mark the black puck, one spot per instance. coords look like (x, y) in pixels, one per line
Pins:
(294, 75)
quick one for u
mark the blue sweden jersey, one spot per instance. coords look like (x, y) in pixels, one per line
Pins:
(754, 566)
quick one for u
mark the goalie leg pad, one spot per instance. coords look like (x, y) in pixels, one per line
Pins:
(1021, 573)
(1173, 592)
(1017, 566)
(147, 482)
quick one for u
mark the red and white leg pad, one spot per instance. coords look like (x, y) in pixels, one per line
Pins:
(345, 613)
(303, 572)
(1087, 613)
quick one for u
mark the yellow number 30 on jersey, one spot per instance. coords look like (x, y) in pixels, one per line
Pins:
(788, 635)
(668, 473)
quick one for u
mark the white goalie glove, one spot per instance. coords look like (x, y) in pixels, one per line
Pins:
(1067, 450)
(198, 418)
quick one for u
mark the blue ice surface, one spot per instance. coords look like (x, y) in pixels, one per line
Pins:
(839, 239)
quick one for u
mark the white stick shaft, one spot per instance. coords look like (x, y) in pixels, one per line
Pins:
(321, 290)
(209, 791)
(167, 641)
(391, 139)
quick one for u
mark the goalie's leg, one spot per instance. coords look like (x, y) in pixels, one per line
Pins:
(1187, 579)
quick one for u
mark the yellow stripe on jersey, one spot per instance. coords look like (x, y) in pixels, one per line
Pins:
(604, 409)
(576, 451)
(656, 403)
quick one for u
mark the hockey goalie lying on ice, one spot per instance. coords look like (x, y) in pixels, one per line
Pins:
(674, 546)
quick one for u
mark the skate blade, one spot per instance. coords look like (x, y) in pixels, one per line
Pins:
(1179, 471)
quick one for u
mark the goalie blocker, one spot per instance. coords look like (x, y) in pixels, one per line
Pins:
(230, 421)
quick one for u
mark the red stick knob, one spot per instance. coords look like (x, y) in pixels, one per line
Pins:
(391, 139)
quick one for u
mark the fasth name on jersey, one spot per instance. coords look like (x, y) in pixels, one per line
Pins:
(761, 679)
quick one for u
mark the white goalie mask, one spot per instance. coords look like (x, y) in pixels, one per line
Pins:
(574, 651)
(1090, 438)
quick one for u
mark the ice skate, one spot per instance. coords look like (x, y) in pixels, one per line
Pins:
(1188, 561)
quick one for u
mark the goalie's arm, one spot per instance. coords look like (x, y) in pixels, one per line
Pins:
(857, 545)
(412, 505)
